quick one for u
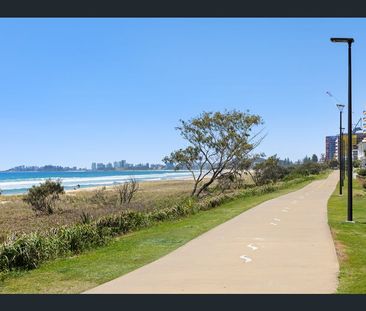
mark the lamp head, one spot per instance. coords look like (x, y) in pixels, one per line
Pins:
(340, 107)
(337, 40)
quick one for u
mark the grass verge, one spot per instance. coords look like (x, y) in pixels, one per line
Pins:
(350, 239)
(128, 252)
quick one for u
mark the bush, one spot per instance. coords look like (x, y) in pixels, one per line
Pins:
(364, 185)
(99, 196)
(43, 197)
(85, 218)
(126, 191)
(269, 171)
(362, 172)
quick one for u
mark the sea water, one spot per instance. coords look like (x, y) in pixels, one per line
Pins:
(20, 182)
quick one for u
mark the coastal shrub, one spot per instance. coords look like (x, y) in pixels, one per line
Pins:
(85, 217)
(126, 191)
(78, 238)
(269, 171)
(362, 172)
(181, 209)
(43, 197)
(226, 181)
(29, 250)
(99, 196)
(124, 222)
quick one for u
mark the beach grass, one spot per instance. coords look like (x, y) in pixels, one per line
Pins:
(18, 217)
(129, 252)
(350, 238)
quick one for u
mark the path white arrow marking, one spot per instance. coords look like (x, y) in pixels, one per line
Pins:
(253, 247)
(246, 258)
(276, 219)
(272, 223)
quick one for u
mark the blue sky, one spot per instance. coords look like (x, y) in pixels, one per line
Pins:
(74, 91)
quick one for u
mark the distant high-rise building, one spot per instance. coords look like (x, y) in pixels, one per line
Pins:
(94, 166)
(330, 147)
(116, 164)
(100, 166)
(169, 166)
(122, 163)
(109, 166)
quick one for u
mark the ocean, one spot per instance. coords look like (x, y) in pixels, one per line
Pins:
(20, 182)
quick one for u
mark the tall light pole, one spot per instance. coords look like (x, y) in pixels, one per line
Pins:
(340, 151)
(340, 144)
(349, 41)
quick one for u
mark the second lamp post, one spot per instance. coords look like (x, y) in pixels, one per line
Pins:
(340, 149)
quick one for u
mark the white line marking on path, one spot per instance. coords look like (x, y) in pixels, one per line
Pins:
(272, 223)
(252, 246)
(284, 210)
(246, 258)
(276, 219)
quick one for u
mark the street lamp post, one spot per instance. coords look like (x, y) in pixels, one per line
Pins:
(340, 151)
(349, 41)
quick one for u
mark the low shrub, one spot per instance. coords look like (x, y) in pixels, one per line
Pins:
(124, 222)
(99, 197)
(126, 191)
(29, 250)
(85, 218)
(43, 197)
(362, 172)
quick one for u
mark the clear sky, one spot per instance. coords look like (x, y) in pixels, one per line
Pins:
(74, 91)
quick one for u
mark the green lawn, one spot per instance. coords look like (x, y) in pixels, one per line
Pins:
(350, 238)
(128, 252)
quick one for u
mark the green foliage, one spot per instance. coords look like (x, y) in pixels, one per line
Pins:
(216, 141)
(333, 163)
(306, 159)
(43, 197)
(29, 250)
(228, 181)
(362, 172)
(314, 158)
(85, 218)
(269, 171)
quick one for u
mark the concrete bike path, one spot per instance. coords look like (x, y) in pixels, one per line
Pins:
(280, 246)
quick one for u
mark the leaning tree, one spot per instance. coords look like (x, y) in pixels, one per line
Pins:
(219, 143)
